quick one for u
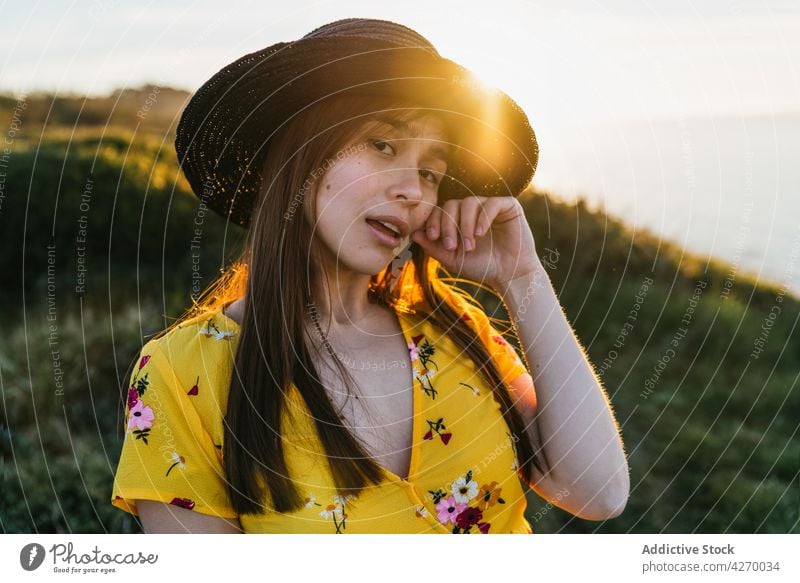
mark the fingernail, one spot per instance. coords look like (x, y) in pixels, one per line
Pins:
(431, 233)
(469, 245)
(479, 231)
(449, 243)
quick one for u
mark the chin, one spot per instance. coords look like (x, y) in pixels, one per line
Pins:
(367, 258)
(369, 262)
(371, 268)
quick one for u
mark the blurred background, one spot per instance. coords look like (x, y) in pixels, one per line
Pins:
(665, 207)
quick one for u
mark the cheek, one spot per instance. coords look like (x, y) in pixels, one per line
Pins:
(319, 194)
(426, 211)
(337, 222)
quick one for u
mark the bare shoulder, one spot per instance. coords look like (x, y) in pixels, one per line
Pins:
(235, 310)
(162, 518)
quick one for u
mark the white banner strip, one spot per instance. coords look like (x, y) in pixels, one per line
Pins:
(328, 558)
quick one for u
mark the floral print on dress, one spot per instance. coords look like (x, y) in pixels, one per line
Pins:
(210, 330)
(140, 416)
(133, 397)
(473, 390)
(187, 503)
(447, 509)
(513, 439)
(177, 461)
(464, 489)
(512, 353)
(138, 385)
(463, 504)
(489, 495)
(499, 340)
(438, 427)
(337, 511)
(140, 420)
(421, 353)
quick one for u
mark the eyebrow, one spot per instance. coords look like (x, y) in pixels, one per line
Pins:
(436, 149)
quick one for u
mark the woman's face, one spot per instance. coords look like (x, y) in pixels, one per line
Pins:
(390, 173)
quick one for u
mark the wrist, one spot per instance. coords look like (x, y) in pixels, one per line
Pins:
(521, 284)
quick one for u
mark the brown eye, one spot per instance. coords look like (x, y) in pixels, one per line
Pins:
(436, 177)
(380, 144)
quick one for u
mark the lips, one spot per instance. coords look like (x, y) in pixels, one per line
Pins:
(396, 223)
(385, 235)
(389, 230)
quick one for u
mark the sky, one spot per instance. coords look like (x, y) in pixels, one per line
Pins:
(565, 62)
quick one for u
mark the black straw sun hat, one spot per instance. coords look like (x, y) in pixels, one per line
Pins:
(223, 134)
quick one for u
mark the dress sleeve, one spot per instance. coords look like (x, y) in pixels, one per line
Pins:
(167, 455)
(503, 353)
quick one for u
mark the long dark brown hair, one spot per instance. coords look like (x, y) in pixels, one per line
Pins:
(279, 265)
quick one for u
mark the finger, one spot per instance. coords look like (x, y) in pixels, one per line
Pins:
(433, 224)
(449, 223)
(433, 248)
(470, 207)
(482, 222)
(491, 208)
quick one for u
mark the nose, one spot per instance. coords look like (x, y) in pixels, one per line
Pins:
(405, 184)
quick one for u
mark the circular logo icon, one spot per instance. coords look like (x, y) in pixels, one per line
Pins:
(31, 556)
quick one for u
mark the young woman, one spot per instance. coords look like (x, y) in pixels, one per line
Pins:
(334, 379)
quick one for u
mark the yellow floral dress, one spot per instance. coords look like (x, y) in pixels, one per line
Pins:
(463, 473)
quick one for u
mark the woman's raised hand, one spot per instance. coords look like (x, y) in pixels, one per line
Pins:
(485, 239)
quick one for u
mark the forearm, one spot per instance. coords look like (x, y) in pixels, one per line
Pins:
(575, 423)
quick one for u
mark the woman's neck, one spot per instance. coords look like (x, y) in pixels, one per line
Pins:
(343, 297)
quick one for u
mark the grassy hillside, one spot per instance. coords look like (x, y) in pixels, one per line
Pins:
(703, 380)
(708, 401)
(149, 108)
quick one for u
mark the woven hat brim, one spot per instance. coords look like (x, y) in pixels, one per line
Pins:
(225, 128)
